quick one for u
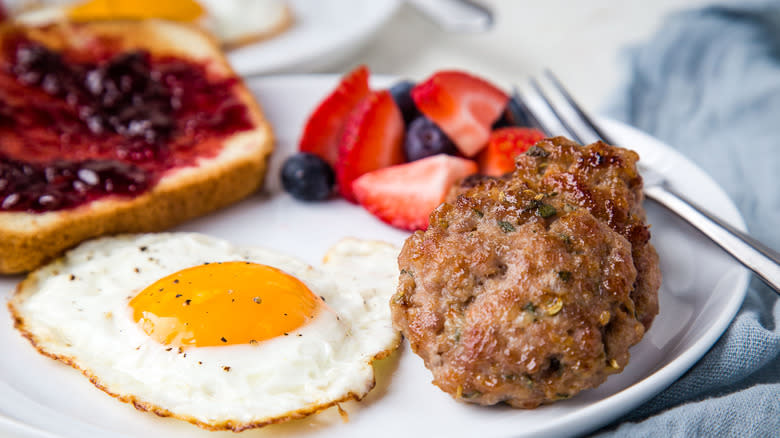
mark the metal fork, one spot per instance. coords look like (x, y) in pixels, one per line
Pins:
(760, 259)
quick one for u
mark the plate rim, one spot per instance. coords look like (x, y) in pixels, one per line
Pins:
(603, 412)
(641, 391)
(311, 59)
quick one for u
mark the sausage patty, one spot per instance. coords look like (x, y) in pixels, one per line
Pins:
(529, 288)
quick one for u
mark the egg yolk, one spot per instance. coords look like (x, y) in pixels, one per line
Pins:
(224, 304)
(179, 10)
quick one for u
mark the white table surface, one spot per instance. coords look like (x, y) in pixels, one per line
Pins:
(583, 41)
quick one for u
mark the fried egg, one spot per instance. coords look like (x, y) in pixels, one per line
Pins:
(240, 22)
(221, 336)
(233, 22)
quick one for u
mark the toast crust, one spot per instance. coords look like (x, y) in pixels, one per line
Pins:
(27, 240)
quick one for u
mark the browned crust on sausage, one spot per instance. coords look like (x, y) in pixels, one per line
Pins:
(532, 287)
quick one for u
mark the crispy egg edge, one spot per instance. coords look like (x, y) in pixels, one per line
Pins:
(26, 287)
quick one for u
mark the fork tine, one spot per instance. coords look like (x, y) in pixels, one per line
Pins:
(577, 108)
(554, 110)
(529, 114)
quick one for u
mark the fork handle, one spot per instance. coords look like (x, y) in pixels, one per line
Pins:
(758, 258)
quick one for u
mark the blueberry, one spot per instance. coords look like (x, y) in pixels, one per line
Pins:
(401, 93)
(515, 115)
(307, 177)
(424, 138)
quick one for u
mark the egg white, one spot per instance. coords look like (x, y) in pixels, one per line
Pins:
(76, 309)
(233, 22)
(238, 22)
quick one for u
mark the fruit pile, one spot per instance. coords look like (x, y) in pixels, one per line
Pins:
(397, 152)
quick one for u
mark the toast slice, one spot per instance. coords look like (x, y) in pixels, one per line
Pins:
(233, 169)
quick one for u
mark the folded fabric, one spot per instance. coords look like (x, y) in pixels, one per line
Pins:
(708, 84)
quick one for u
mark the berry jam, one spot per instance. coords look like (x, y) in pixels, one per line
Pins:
(72, 131)
(62, 184)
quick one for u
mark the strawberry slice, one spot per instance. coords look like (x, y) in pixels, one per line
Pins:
(323, 130)
(372, 139)
(405, 195)
(463, 106)
(504, 145)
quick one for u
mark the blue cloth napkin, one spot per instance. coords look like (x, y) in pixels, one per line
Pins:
(708, 84)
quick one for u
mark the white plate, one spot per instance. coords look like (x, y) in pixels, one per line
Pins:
(324, 33)
(702, 290)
